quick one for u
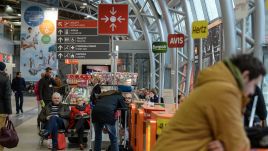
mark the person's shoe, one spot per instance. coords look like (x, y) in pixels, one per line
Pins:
(21, 110)
(17, 113)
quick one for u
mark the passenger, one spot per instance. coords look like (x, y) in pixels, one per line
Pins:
(96, 90)
(261, 112)
(153, 96)
(5, 96)
(54, 116)
(18, 86)
(80, 120)
(37, 93)
(103, 115)
(46, 87)
(213, 111)
(58, 83)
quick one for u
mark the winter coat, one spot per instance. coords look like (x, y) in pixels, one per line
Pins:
(46, 88)
(212, 111)
(76, 111)
(5, 94)
(64, 112)
(36, 91)
(18, 84)
(106, 106)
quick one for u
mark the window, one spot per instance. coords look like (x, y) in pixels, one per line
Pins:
(212, 9)
(198, 9)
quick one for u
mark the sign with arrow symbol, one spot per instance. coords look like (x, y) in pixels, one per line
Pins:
(60, 31)
(111, 17)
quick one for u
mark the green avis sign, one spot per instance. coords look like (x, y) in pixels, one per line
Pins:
(159, 47)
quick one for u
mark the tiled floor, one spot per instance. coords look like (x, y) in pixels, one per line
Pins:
(26, 127)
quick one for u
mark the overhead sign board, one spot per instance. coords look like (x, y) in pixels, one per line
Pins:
(241, 9)
(175, 40)
(200, 29)
(113, 19)
(78, 39)
(159, 47)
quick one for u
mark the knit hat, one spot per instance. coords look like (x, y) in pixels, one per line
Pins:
(2, 66)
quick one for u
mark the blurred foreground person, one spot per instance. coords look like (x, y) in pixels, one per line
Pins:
(5, 96)
(214, 109)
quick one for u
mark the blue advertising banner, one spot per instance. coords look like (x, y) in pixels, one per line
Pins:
(38, 40)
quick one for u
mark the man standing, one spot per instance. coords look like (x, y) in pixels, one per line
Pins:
(213, 111)
(18, 85)
(5, 97)
(46, 87)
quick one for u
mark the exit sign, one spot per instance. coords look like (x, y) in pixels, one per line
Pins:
(175, 40)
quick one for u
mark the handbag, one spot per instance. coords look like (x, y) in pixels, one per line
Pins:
(8, 135)
(61, 141)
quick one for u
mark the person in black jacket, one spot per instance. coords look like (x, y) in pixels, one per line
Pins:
(5, 97)
(46, 87)
(261, 112)
(18, 85)
(96, 90)
(103, 115)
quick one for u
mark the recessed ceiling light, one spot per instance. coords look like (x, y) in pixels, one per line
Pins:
(85, 4)
(19, 14)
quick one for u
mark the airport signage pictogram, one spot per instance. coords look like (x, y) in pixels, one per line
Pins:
(113, 19)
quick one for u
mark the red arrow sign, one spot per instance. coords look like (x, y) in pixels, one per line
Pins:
(113, 19)
(175, 40)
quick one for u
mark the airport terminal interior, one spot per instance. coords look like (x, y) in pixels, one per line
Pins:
(149, 49)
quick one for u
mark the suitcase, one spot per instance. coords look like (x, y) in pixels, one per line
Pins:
(125, 146)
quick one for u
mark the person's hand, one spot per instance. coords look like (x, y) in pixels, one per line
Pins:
(42, 103)
(48, 117)
(215, 146)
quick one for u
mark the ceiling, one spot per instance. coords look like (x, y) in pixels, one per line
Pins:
(10, 10)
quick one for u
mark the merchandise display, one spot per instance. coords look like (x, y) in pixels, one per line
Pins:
(78, 93)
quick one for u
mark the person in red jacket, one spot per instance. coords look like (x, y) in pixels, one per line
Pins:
(36, 92)
(79, 119)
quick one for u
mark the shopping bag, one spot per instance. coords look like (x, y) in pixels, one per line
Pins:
(8, 135)
(61, 141)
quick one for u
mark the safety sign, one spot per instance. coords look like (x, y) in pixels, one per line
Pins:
(113, 19)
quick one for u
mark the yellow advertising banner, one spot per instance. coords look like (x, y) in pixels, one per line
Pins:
(200, 29)
(161, 124)
(266, 4)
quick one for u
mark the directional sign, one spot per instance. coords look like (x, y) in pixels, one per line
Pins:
(83, 55)
(78, 39)
(175, 40)
(200, 29)
(60, 55)
(113, 19)
(83, 47)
